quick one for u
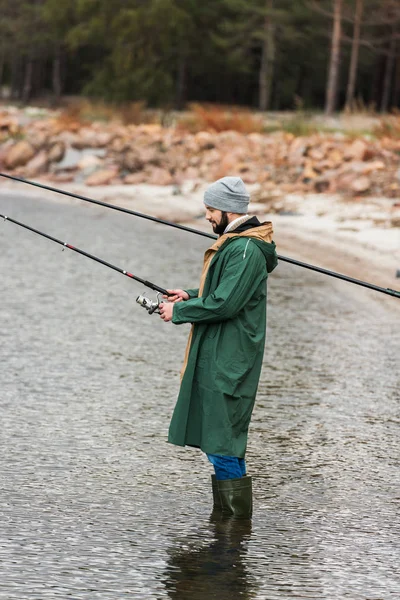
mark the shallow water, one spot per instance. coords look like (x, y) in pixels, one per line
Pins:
(96, 504)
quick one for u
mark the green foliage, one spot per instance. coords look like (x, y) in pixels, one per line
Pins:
(167, 52)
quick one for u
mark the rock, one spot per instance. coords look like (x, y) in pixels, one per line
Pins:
(363, 168)
(131, 161)
(308, 174)
(316, 153)
(256, 138)
(4, 150)
(263, 176)
(297, 151)
(343, 182)
(321, 185)
(135, 178)
(61, 177)
(249, 177)
(148, 155)
(376, 165)
(89, 161)
(357, 151)
(224, 167)
(38, 139)
(119, 144)
(334, 158)
(37, 165)
(191, 173)
(160, 177)
(361, 184)
(86, 138)
(117, 181)
(8, 124)
(92, 137)
(66, 137)
(103, 139)
(102, 177)
(243, 167)
(194, 161)
(56, 152)
(228, 138)
(148, 128)
(212, 157)
(325, 182)
(357, 166)
(19, 155)
(204, 140)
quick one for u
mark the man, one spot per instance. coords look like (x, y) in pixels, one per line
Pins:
(226, 344)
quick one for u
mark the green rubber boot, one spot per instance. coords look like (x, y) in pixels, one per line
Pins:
(236, 497)
(216, 499)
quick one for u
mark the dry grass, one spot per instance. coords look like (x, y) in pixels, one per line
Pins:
(82, 111)
(213, 117)
(133, 113)
(389, 126)
(69, 119)
(359, 107)
(299, 126)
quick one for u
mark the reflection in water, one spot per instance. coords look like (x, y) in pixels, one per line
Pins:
(216, 570)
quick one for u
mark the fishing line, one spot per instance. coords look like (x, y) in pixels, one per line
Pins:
(292, 261)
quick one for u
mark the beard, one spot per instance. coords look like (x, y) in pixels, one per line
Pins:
(220, 227)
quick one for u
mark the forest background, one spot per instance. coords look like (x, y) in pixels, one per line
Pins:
(266, 54)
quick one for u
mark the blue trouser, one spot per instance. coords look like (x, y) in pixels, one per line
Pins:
(227, 467)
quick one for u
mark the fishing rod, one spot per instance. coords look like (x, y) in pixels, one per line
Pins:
(292, 261)
(106, 205)
(148, 304)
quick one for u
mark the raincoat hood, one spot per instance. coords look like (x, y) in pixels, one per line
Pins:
(260, 234)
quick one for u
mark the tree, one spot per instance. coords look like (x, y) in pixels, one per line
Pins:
(251, 36)
(351, 84)
(147, 49)
(263, 53)
(59, 18)
(23, 45)
(333, 74)
(391, 13)
(267, 58)
(379, 40)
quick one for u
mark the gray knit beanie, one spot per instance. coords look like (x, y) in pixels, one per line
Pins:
(228, 194)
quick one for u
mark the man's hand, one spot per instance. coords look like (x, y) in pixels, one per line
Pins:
(177, 295)
(166, 309)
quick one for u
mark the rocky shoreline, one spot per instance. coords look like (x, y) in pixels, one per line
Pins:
(63, 150)
(327, 195)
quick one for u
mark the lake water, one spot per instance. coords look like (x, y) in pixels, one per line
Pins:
(95, 503)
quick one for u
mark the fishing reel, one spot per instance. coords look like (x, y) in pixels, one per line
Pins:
(150, 305)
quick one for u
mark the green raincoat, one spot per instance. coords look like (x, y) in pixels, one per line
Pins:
(226, 346)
